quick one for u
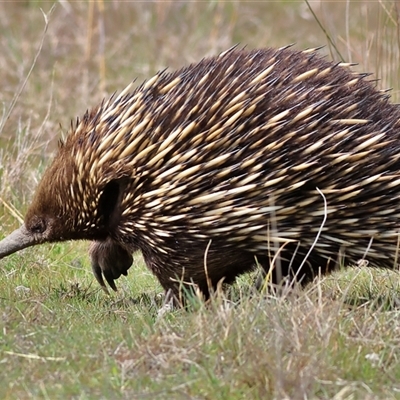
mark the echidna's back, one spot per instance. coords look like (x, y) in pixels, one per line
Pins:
(234, 149)
(249, 152)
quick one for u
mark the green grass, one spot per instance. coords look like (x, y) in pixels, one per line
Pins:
(61, 336)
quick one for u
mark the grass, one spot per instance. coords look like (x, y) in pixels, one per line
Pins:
(65, 338)
(60, 335)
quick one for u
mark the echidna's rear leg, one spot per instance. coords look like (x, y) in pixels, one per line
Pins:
(109, 260)
(293, 267)
(223, 266)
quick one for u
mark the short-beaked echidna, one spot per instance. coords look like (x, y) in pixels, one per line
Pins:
(264, 155)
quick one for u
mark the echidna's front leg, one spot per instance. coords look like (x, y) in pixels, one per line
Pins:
(109, 260)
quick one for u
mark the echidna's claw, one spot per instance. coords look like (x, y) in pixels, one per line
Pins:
(109, 260)
(98, 275)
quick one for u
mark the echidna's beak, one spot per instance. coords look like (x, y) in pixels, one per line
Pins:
(18, 240)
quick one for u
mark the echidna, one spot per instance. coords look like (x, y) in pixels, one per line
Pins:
(268, 156)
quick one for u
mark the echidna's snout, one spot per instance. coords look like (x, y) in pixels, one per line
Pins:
(20, 239)
(36, 229)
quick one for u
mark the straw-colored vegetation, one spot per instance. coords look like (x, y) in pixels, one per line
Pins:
(60, 335)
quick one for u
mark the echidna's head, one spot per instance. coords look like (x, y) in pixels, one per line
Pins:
(68, 205)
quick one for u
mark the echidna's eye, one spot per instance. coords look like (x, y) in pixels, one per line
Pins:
(38, 225)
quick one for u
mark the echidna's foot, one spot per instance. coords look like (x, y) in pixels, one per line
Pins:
(183, 296)
(266, 283)
(169, 304)
(292, 270)
(109, 260)
(259, 282)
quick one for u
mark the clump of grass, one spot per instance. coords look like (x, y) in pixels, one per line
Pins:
(366, 287)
